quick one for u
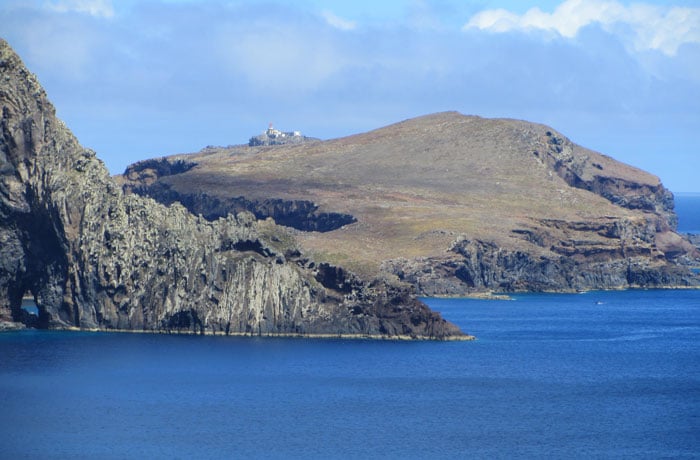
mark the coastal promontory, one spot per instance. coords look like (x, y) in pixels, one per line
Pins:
(447, 203)
(93, 257)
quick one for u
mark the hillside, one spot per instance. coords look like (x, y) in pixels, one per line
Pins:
(94, 258)
(451, 204)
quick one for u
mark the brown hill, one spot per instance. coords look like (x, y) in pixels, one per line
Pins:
(450, 203)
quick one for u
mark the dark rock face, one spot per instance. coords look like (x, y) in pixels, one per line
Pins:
(569, 265)
(298, 214)
(149, 171)
(694, 239)
(142, 179)
(580, 172)
(574, 269)
(96, 258)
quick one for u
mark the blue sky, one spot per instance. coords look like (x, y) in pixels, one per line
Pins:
(138, 79)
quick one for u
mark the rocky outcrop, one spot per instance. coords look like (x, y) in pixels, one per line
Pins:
(570, 268)
(626, 256)
(147, 172)
(98, 259)
(142, 178)
(581, 170)
(298, 214)
(694, 240)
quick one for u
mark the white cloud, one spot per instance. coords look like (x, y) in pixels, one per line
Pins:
(96, 8)
(642, 26)
(499, 20)
(338, 22)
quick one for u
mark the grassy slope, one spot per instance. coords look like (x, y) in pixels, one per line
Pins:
(413, 186)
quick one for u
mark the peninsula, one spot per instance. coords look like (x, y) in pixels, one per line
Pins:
(95, 258)
(449, 204)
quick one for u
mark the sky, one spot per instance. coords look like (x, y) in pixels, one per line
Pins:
(141, 79)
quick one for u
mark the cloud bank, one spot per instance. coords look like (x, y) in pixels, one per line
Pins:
(644, 26)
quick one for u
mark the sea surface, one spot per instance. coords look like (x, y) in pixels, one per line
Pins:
(594, 375)
(688, 210)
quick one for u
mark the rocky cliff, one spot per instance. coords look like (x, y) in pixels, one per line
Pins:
(450, 204)
(95, 258)
(142, 178)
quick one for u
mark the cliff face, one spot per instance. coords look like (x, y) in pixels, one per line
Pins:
(95, 258)
(142, 178)
(452, 205)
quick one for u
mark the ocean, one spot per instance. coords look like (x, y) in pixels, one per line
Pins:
(688, 210)
(600, 374)
(592, 375)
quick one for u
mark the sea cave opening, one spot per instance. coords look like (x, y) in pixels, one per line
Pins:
(29, 304)
(30, 313)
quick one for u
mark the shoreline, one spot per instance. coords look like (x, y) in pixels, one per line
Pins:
(490, 295)
(11, 326)
(294, 335)
(291, 335)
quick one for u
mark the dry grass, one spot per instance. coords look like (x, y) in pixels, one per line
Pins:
(414, 186)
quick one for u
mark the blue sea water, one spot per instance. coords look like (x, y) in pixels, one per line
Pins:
(594, 375)
(688, 210)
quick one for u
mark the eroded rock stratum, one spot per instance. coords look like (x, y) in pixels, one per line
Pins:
(95, 258)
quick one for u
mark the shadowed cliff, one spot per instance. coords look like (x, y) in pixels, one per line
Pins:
(95, 258)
